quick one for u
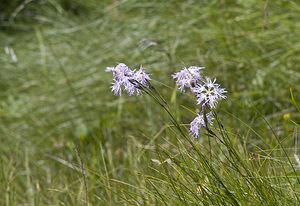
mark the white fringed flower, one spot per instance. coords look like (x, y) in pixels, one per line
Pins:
(188, 77)
(209, 93)
(199, 122)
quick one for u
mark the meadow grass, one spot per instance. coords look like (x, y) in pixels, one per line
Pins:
(67, 140)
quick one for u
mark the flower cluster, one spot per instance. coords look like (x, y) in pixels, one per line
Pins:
(131, 80)
(208, 93)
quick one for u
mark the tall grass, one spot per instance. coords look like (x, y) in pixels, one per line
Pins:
(57, 96)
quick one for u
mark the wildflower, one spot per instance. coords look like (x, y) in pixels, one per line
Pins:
(287, 116)
(199, 122)
(10, 51)
(141, 77)
(13, 55)
(120, 72)
(188, 77)
(297, 159)
(209, 92)
(129, 79)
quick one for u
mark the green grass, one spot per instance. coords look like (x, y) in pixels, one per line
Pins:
(58, 96)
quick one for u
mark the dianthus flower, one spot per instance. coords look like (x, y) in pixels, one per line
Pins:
(199, 122)
(209, 93)
(129, 79)
(142, 77)
(188, 77)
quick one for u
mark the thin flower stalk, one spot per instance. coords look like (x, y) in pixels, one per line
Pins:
(145, 86)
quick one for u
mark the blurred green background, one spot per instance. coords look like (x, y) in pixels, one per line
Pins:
(55, 94)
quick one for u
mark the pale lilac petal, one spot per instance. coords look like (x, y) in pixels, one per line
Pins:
(141, 76)
(199, 122)
(188, 77)
(128, 79)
